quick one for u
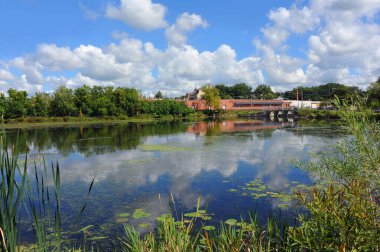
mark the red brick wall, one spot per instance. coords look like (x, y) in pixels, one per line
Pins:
(229, 104)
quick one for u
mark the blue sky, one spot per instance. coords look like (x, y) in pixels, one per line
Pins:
(173, 45)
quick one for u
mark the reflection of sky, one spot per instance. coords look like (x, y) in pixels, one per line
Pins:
(135, 177)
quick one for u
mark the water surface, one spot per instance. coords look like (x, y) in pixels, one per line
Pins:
(145, 166)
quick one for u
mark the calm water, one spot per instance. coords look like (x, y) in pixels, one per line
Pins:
(138, 166)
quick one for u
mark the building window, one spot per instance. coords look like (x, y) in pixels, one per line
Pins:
(193, 107)
(208, 107)
(224, 107)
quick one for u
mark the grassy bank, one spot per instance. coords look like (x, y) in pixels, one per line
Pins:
(35, 122)
(318, 114)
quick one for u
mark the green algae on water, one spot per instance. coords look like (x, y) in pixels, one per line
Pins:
(165, 148)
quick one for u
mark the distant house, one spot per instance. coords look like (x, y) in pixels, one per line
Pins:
(195, 95)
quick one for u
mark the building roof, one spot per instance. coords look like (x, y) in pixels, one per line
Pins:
(258, 102)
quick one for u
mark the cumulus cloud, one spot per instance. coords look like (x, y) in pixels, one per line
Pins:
(6, 75)
(342, 43)
(176, 34)
(141, 14)
(339, 43)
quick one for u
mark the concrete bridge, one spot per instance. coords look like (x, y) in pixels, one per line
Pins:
(274, 113)
(281, 113)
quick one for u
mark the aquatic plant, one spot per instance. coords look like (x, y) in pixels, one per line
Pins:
(35, 194)
(345, 207)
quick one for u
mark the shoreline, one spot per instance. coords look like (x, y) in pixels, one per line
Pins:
(28, 123)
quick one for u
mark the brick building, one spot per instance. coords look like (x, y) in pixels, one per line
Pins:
(241, 104)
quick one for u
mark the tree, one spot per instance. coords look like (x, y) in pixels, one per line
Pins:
(16, 104)
(127, 101)
(237, 91)
(211, 96)
(82, 100)
(3, 104)
(325, 92)
(159, 95)
(62, 103)
(264, 92)
(39, 104)
(241, 91)
(373, 93)
(101, 101)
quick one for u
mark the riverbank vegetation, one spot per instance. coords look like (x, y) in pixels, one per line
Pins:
(340, 213)
(85, 101)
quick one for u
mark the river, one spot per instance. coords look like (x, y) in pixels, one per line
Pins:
(230, 165)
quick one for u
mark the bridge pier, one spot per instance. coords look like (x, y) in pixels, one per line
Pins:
(281, 113)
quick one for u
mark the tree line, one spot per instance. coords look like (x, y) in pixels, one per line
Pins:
(324, 92)
(96, 101)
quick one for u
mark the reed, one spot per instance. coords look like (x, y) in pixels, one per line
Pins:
(40, 196)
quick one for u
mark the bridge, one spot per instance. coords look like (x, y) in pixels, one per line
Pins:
(274, 113)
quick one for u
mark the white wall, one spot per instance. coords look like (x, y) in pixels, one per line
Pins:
(304, 104)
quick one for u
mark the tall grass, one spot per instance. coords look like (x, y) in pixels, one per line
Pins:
(12, 192)
(193, 234)
(37, 192)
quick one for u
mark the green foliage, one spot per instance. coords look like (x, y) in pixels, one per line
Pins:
(3, 104)
(83, 99)
(16, 104)
(373, 93)
(39, 104)
(325, 92)
(341, 218)
(345, 208)
(211, 96)
(126, 101)
(237, 91)
(263, 91)
(181, 235)
(39, 194)
(62, 103)
(158, 95)
(165, 107)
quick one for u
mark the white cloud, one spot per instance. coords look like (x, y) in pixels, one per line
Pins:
(6, 75)
(339, 43)
(88, 13)
(186, 67)
(142, 14)
(345, 10)
(56, 58)
(294, 19)
(176, 34)
(31, 70)
(342, 43)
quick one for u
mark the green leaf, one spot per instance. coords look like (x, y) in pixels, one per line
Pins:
(231, 222)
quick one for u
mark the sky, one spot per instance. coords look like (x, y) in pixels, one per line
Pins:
(177, 45)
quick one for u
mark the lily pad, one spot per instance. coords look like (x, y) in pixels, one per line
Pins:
(163, 148)
(199, 214)
(143, 225)
(124, 214)
(231, 222)
(140, 213)
(208, 228)
(121, 220)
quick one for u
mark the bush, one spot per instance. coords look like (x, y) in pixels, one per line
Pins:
(345, 205)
